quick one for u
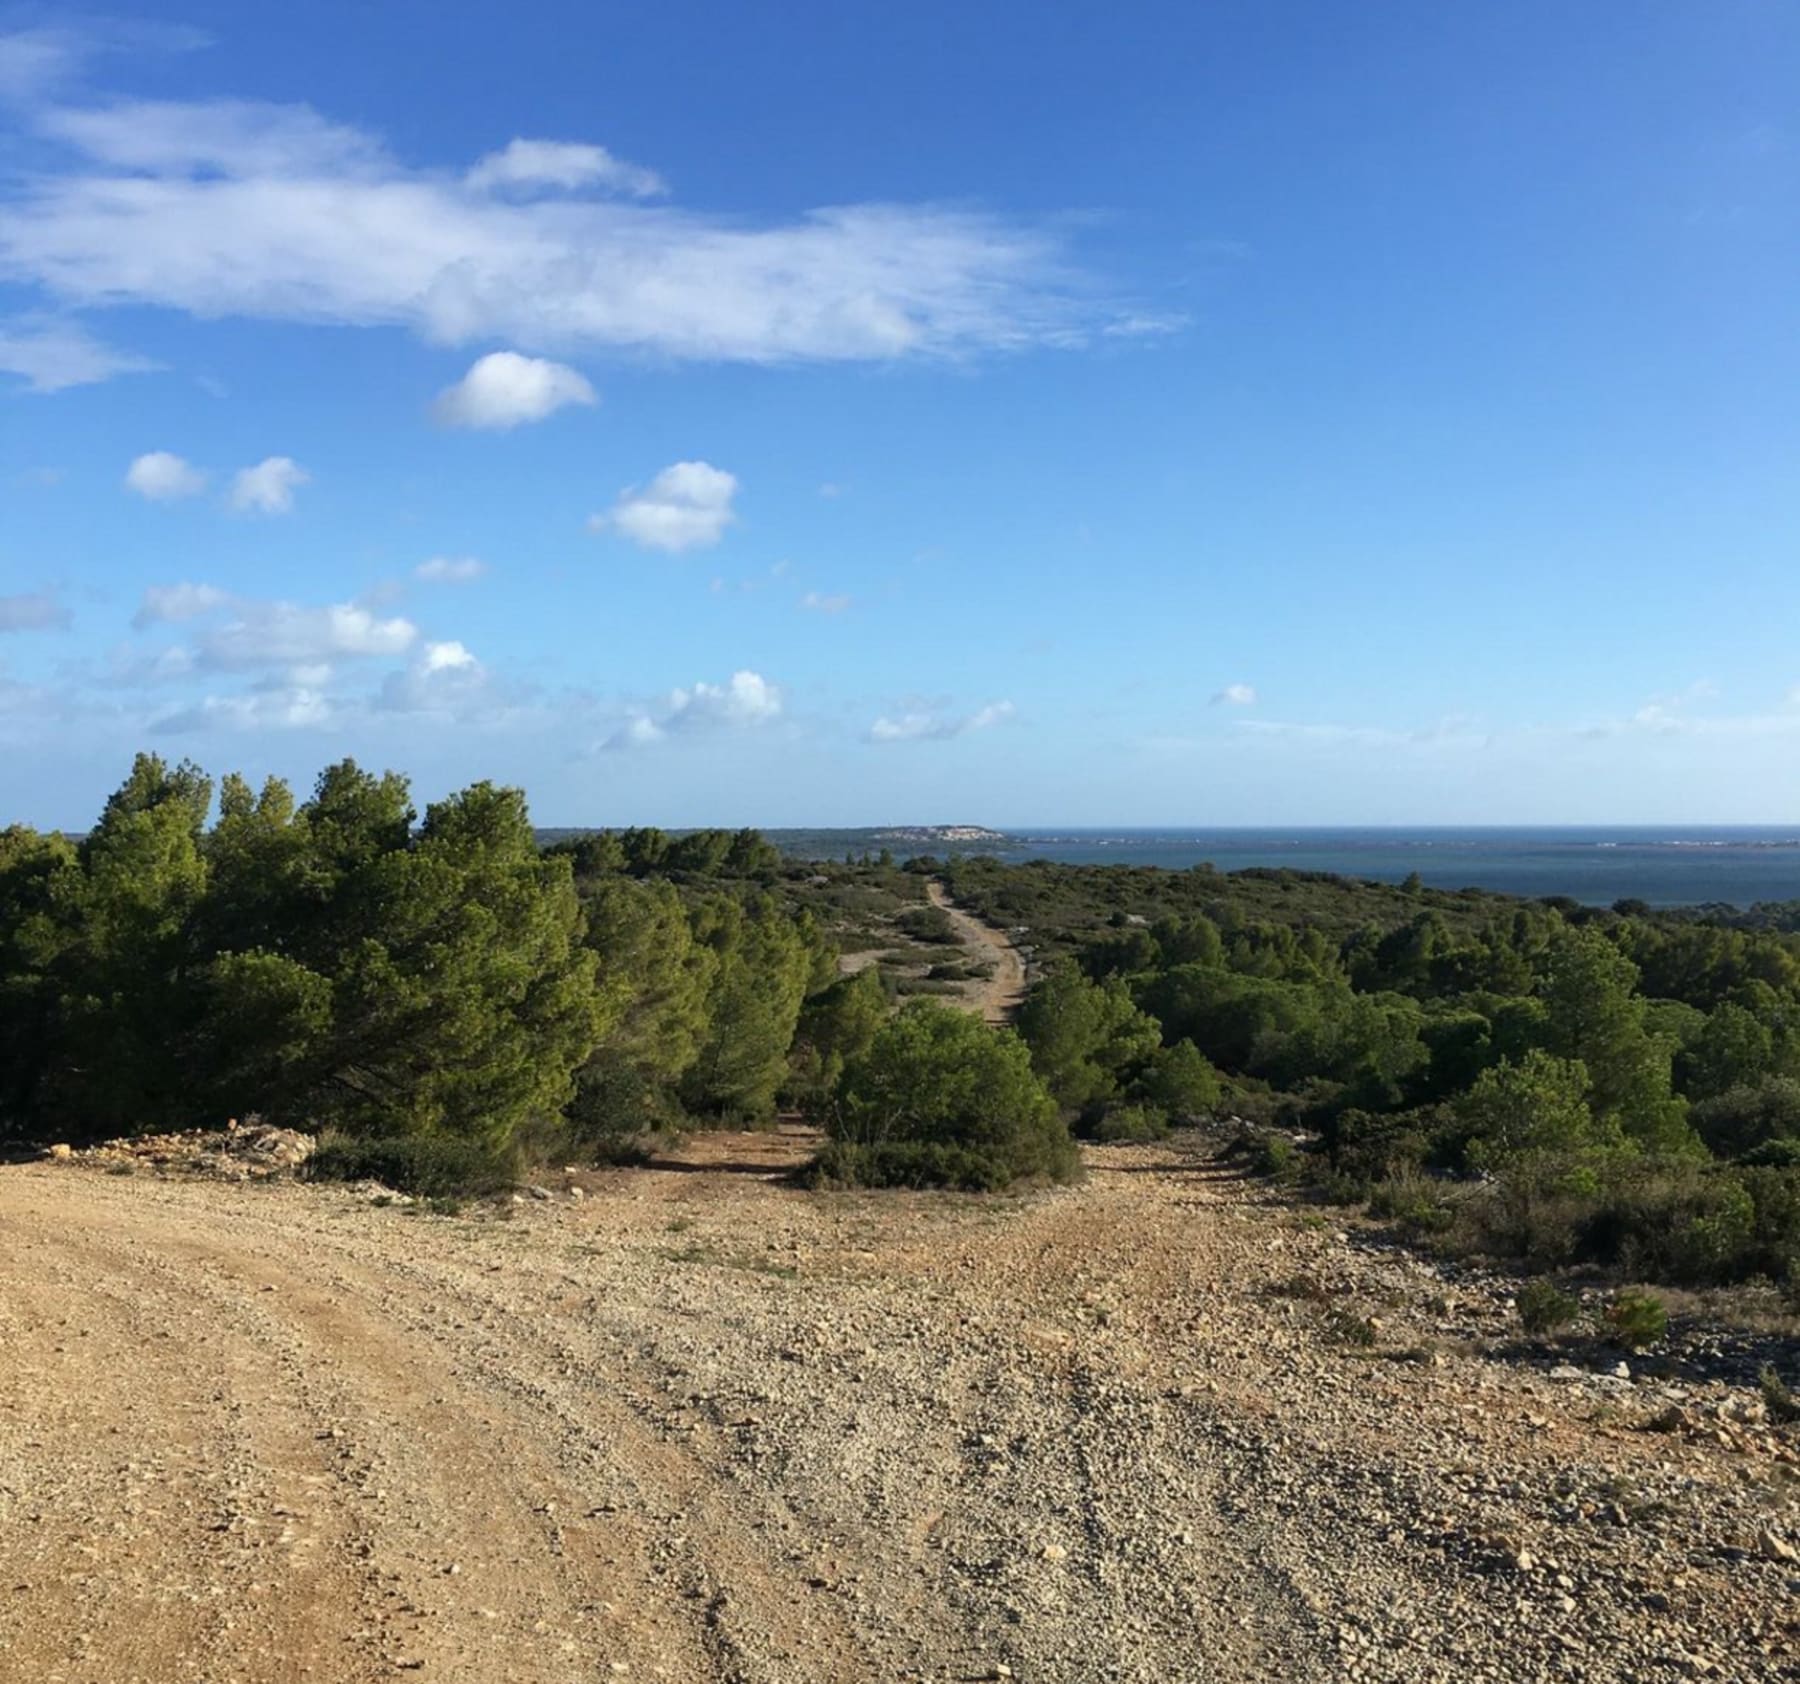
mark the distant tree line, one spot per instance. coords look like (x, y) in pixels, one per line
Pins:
(438, 994)
(1553, 1082)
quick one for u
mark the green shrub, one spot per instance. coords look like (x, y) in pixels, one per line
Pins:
(1275, 1156)
(1544, 1308)
(940, 1099)
(616, 1109)
(1412, 1201)
(908, 1163)
(1637, 1318)
(1128, 1125)
(425, 1165)
(1780, 1402)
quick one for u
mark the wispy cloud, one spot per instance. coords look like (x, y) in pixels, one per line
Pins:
(32, 611)
(547, 166)
(936, 727)
(243, 208)
(819, 602)
(449, 570)
(1236, 696)
(52, 354)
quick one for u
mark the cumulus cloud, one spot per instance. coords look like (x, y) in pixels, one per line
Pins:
(269, 487)
(171, 604)
(686, 507)
(239, 208)
(440, 678)
(936, 727)
(1235, 696)
(449, 570)
(817, 602)
(744, 700)
(288, 634)
(51, 355)
(536, 166)
(504, 389)
(32, 611)
(162, 476)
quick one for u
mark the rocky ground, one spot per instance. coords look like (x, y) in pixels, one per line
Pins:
(689, 1423)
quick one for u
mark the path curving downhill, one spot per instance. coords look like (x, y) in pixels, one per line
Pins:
(998, 995)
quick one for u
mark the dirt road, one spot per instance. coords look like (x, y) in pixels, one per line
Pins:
(696, 1425)
(996, 997)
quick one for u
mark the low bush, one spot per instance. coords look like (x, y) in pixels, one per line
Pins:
(1414, 1202)
(939, 1099)
(1637, 1319)
(425, 1165)
(908, 1163)
(1544, 1308)
(1127, 1125)
(1777, 1398)
(1275, 1156)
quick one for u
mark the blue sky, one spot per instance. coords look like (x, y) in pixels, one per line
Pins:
(1233, 413)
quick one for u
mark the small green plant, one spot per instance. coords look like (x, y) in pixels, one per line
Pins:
(1544, 1308)
(1780, 1402)
(1273, 1155)
(1345, 1327)
(1638, 1319)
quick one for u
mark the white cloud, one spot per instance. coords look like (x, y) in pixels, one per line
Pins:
(441, 678)
(32, 611)
(817, 603)
(234, 208)
(269, 487)
(936, 727)
(286, 634)
(526, 166)
(163, 476)
(504, 389)
(686, 507)
(285, 707)
(1236, 696)
(51, 355)
(745, 700)
(35, 61)
(170, 604)
(449, 570)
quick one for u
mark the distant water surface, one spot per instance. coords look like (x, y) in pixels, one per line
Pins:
(1674, 866)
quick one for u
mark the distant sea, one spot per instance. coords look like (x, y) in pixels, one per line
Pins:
(1664, 866)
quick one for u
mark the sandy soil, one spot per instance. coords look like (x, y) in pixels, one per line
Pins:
(690, 1423)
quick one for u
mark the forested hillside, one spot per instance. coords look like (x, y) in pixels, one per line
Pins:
(1536, 1079)
(441, 996)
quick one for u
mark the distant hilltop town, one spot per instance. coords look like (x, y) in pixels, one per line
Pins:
(940, 833)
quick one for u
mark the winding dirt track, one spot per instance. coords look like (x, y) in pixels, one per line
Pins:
(697, 1425)
(998, 996)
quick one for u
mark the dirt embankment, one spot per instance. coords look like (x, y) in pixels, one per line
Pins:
(696, 1425)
